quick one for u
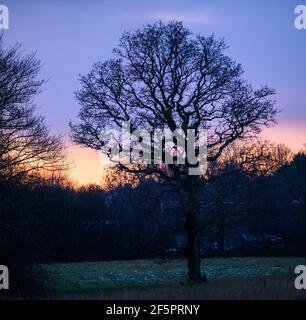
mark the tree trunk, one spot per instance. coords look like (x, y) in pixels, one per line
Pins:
(194, 257)
(193, 239)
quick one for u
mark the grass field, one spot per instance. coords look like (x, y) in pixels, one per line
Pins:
(228, 278)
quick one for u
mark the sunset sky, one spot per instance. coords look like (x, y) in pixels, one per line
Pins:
(69, 36)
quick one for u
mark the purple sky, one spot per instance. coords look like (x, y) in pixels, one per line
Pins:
(69, 36)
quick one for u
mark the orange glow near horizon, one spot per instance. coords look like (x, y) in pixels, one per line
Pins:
(292, 135)
(88, 168)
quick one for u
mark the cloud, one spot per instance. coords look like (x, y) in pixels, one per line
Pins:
(194, 18)
(187, 17)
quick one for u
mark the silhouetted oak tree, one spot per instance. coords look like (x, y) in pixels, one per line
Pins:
(163, 76)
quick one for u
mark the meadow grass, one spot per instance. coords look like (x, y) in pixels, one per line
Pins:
(228, 278)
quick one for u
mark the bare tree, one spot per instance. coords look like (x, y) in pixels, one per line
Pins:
(294, 175)
(26, 145)
(230, 177)
(165, 77)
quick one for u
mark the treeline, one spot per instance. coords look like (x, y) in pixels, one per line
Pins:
(243, 215)
(52, 221)
(263, 215)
